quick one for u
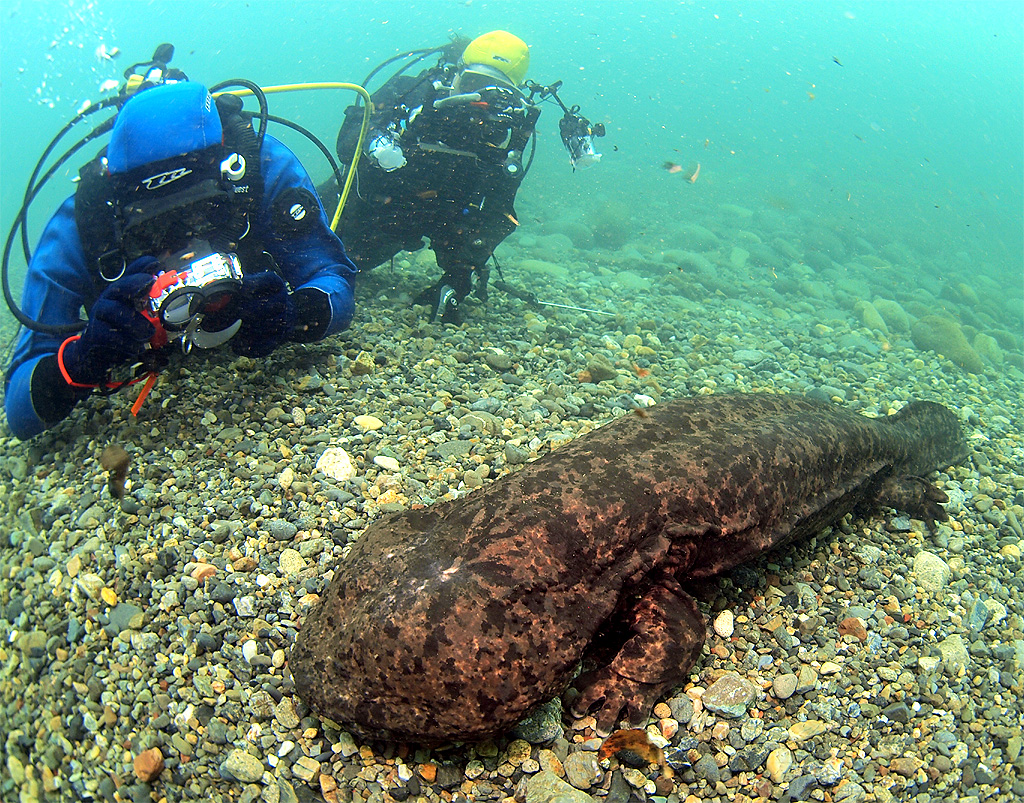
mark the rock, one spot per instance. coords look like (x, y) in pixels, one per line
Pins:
(600, 370)
(149, 764)
(124, 616)
(306, 769)
(853, 626)
(944, 336)
(849, 792)
(281, 530)
(988, 347)
(778, 763)
(387, 463)
(898, 712)
(546, 787)
(802, 731)
(336, 464)
(706, 769)
(954, 654)
(800, 788)
(730, 695)
(930, 571)
(724, 624)
(907, 766)
(497, 359)
(582, 770)
(368, 423)
(285, 713)
(362, 365)
(806, 680)
(242, 766)
(870, 317)
(290, 562)
(783, 686)
(895, 317)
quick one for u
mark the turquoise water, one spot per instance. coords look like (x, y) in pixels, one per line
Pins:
(898, 115)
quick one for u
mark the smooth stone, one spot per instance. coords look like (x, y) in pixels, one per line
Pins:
(582, 770)
(779, 762)
(930, 571)
(368, 423)
(724, 624)
(546, 787)
(387, 463)
(242, 766)
(290, 562)
(783, 686)
(730, 695)
(802, 731)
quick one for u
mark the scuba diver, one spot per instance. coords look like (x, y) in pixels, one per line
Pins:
(190, 228)
(444, 158)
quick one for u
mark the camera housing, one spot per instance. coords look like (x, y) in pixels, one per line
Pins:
(195, 281)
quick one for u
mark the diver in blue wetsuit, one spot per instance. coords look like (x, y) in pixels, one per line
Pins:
(191, 229)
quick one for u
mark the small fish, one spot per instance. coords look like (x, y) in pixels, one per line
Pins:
(837, 61)
(707, 142)
(635, 741)
(514, 221)
(672, 167)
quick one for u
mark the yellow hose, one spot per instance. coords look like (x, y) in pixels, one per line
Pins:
(270, 90)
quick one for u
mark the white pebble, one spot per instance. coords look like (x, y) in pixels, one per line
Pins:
(723, 625)
(387, 463)
(249, 650)
(368, 423)
(336, 464)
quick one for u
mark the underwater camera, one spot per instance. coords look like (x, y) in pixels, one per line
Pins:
(577, 135)
(195, 282)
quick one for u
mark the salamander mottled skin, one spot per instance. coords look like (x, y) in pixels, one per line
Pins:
(451, 623)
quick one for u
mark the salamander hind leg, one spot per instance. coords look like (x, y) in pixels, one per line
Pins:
(667, 633)
(916, 496)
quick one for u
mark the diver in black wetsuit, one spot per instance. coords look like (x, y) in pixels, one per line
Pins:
(444, 159)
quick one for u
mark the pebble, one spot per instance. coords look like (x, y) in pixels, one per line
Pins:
(930, 571)
(779, 761)
(802, 731)
(724, 624)
(368, 423)
(242, 766)
(290, 562)
(730, 695)
(783, 686)
(148, 764)
(546, 787)
(582, 770)
(336, 464)
(387, 463)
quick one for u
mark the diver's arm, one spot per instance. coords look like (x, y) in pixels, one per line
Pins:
(311, 257)
(36, 394)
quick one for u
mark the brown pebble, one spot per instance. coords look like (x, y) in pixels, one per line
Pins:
(149, 764)
(203, 572)
(428, 772)
(852, 626)
(114, 461)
